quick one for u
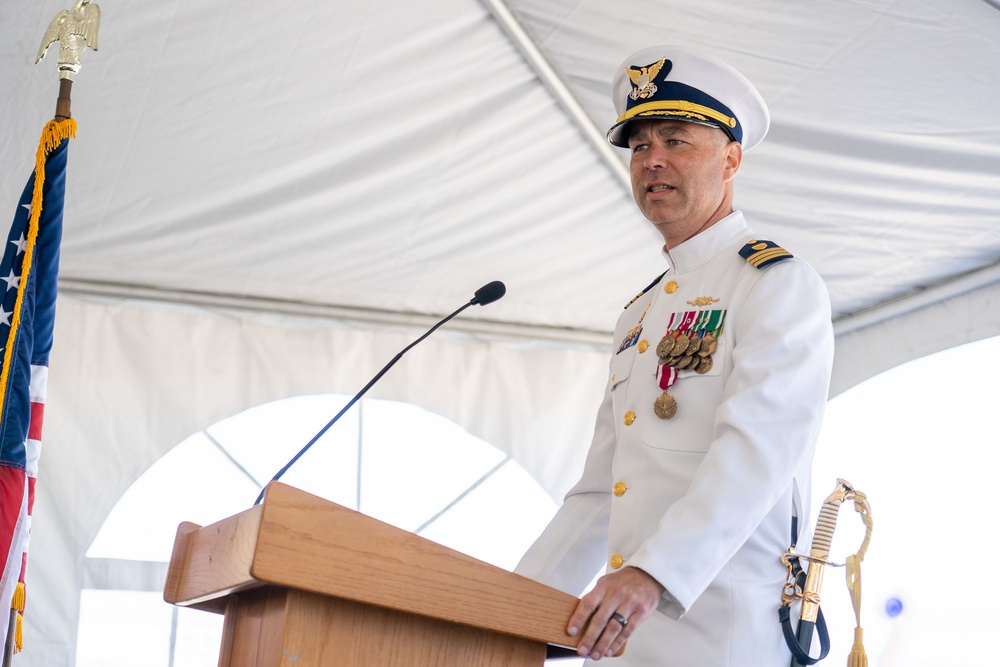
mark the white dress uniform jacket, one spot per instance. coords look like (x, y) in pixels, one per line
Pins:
(703, 502)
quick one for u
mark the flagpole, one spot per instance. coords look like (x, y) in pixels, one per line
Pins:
(74, 29)
(63, 101)
(8, 652)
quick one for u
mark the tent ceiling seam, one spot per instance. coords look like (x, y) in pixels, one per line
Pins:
(558, 88)
(917, 299)
(843, 325)
(250, 304)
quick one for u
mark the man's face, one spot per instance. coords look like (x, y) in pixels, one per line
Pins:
(682, 174)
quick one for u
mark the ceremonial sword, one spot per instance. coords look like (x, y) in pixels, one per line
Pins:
(811, 617)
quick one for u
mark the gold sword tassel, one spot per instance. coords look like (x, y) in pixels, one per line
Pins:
(857, 656)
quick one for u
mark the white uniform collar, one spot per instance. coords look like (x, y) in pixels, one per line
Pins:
(727, 235)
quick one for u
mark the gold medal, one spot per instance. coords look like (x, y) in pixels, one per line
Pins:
(666, 344)
(704, 365)
(680, 344)
(695, 344)
(685, 362)
(708, 345)
(685, 346)
(665, 406)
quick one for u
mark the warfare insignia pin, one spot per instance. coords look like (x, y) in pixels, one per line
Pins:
(642, 79)
(702, 301)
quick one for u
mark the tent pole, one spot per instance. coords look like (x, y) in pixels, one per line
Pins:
(554, 83)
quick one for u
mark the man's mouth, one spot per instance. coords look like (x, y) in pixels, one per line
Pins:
(659, 188)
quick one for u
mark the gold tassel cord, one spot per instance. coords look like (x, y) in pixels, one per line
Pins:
(19, 632)
(18, 601)
(857, 656)
(17, 604)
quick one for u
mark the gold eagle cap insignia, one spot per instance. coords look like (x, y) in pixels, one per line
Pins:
(642, 80)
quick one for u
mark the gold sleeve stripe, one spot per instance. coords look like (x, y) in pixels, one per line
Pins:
(759, 258)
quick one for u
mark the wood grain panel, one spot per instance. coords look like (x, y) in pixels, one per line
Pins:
(212, 561)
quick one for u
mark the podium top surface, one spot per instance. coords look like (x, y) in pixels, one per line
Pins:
(297, 540)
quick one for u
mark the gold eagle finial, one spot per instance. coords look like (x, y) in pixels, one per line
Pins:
(74, 29)
(642, 80)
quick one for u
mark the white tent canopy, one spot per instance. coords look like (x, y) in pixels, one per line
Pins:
(271, 200)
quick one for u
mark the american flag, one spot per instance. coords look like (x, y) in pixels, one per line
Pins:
(28, 273)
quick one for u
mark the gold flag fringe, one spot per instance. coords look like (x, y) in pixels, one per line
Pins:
(53, 134)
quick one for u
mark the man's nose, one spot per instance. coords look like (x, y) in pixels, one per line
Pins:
(653, 157)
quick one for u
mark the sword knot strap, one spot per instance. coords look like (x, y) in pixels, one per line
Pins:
(801, 657)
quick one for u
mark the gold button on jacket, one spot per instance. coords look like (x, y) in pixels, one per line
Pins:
(629, 418)
(616, 561)
(620, 489)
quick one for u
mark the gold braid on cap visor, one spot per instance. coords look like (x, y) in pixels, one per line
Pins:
(678, 108)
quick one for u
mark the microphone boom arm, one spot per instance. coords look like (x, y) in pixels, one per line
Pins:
(484, 295)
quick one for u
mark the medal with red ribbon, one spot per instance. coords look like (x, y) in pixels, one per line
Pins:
(665, 405)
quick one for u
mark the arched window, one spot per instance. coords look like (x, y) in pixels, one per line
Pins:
(393, 461)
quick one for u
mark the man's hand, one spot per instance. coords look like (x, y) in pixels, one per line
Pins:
(628, 594)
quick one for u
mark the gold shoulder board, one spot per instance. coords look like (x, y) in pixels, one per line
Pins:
(763, 253)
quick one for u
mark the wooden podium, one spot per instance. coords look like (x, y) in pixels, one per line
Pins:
(304, 582)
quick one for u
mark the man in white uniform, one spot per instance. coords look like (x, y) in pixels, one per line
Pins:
(704, 441)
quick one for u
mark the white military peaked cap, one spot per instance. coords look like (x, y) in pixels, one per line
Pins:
(675, 83)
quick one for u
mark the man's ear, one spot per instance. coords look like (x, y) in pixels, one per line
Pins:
(734, 158)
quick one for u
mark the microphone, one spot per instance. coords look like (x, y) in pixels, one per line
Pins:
(489, 293)
(486, 294)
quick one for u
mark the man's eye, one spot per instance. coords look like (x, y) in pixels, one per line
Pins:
(639, 147)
